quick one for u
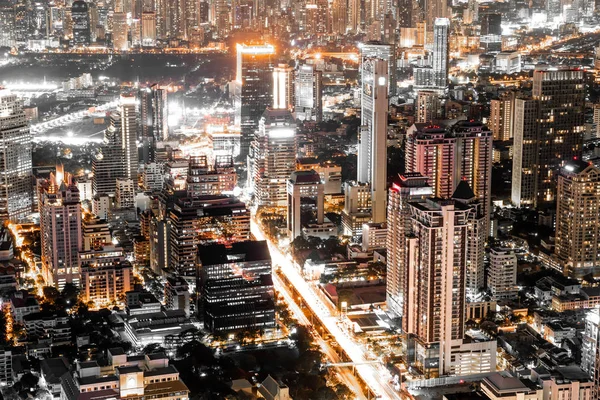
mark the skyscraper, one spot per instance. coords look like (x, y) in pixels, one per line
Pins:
(408, 187)
(441, 50)
(372, 146)
(578, 219)
(118, 156)
(434, 294)
(120, 31)
(283, 87)
(273, 157)
(81, 23)
(502, 116)
(548, 131)
(253, 92)
(237, 286)
(15, 156)
(309, 93)
(384, 51)
(60, 223)
(148, 28)
(128, 128)
(447, 156)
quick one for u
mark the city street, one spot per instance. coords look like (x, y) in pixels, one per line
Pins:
(374, 376)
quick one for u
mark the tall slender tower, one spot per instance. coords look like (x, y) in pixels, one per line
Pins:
(15, 155)
(60, 223)
(283, 87)
(441, 50)
(372, 146)
(253, 91)
(435, 281)
(128, 129)
(384, 51)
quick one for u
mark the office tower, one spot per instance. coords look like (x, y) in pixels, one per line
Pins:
(301, 185)
(578, 219)
(221, 19)
(548, 131)
(372, 146)
(210, 179)
(471, 13)
(148, 29)
(159, 112)
(60, 224)
(177, 22)
(339, 17)
(283, 87)
(317, 17)
(429, 106)
(502, 116)
(118, 156)
(15, 155)
(406, 188)
(309, 93)
(201, 220)
(447, 156)
(441, 50)
(105, 273)
(120, 32)
(237, 287)
(273, 157)
(81, 23)
(254, 91)
(384, 51)
(502, 274)
(491, 24)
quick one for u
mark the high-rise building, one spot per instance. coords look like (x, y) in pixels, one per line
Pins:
(273, 157)
(148, 28)
(578, 219)
(429, 106)
(253, 89)
(128, 128)
(237, 286)
(339, 17)
(502, 116)
(357, 207)
(105, 273)
(384, 51)
(120, 31)
(206, 179)
(408, 187)
(283, 87)
(441, 50)
(502, 274)
(308, 93)
(81, 23)
(435, 10)
(201, 220)
(8, 35)
(548, 131)
(60, 223)
(448, 156)
(16, 184)
(372, 146)
(177, 295)
(125, 193)
(435, 296)
(118, 156)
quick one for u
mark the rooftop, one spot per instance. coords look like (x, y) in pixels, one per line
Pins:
(248, 251)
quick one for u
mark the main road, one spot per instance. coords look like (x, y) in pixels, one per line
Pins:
(374, 376)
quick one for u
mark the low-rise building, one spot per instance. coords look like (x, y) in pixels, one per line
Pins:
(140, 376)
(23, 303)
(47, 325)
